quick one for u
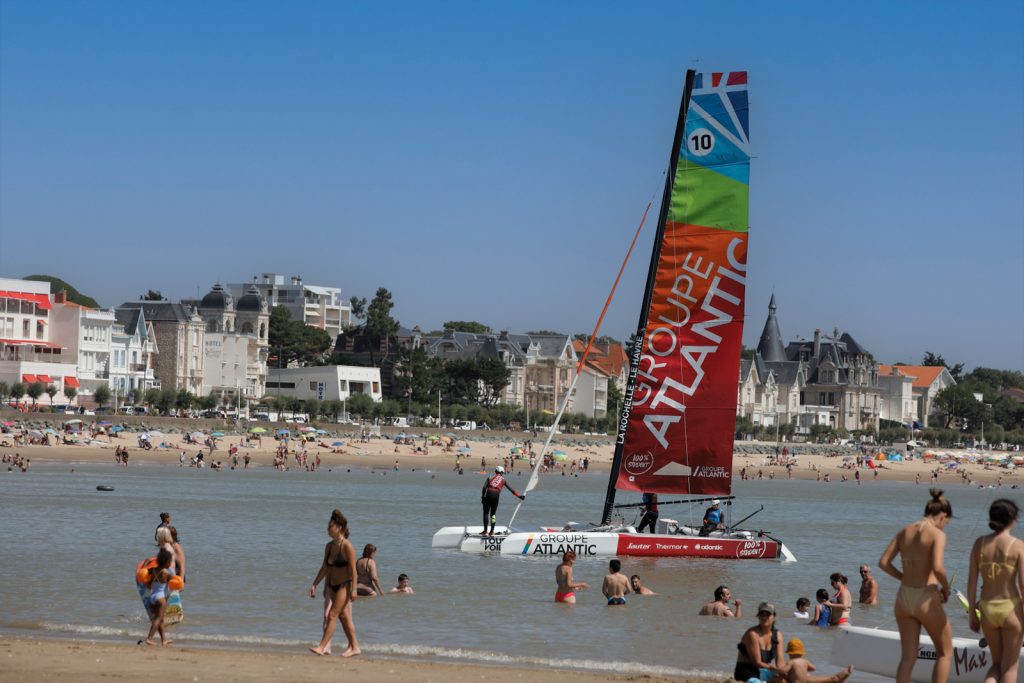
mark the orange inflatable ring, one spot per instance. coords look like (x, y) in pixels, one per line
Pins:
(176, 583)
(142, 573)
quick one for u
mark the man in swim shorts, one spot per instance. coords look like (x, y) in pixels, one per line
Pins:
(615, 585)
(719, 607)
(868, 586)
(563, 577)
(491, 494)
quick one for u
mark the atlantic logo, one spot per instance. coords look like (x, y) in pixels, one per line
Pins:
(705, 546)
(711, 472)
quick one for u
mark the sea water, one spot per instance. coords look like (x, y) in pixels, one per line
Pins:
(254, 540)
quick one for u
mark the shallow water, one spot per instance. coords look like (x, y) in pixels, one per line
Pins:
(254, 539)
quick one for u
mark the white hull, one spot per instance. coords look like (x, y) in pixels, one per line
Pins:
(452, 536)
(878, 651)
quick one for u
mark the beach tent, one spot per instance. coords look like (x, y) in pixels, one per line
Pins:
(258, 430)
(895, 457)
(463, 449)
(338, 443)
(217, 435)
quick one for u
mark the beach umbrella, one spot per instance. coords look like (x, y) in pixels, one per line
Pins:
(283, 431)
(34, 432)
(559, 455)
(8, 424)
(105, 423)
(50, 430)
(321, 431)
(558, 452)
(117, 428)
(156, 432)
(338, 443)
(71, 422)
(451, 434)
(197, 435)
(217, 434)
(307, 429)
(464, 449)
(433, 437)
(257, 430)
(144, 436)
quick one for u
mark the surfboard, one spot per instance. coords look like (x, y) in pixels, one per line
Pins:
(174, 614)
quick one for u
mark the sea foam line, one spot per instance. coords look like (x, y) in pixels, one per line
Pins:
(411, 651)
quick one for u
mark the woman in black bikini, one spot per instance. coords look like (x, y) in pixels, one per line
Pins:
(339, 569)
(760, 647)
(366, 570)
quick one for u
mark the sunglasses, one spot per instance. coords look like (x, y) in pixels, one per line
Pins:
(765, 613)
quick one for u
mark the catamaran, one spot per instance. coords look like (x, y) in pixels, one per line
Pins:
(676, 428)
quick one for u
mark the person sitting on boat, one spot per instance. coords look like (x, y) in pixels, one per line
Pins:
(650, 508)
(490, 496)
(712, 518)
(798, 669)
(760, 647)
(719, 607)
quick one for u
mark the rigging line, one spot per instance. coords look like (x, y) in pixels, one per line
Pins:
(579, 366)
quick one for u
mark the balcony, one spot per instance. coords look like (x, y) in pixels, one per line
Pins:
(138, 367)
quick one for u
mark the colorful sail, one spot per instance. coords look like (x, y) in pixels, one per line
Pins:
(676, 433)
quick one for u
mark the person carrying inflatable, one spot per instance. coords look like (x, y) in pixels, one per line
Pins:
(491, 494)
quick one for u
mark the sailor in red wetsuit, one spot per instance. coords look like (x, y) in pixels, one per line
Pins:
(490, 496)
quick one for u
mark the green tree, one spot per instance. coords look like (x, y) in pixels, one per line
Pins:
(51, 391)
(313, 408)
(293, 340)
(5, 391)
(210, 401)
(58, 285)
(494, 377)
(34, 391)
(747, 353)
(183, 400)
(153, 295)
(280, 404)
(17, 391)
(466, 326)
(380, 326)
(360, 405)
(165, 400)
(957, 408)
(418, 373)
(933, 360)
(70, 392)
(151, 397)
(101, 395)
(614, 398)
(358, 307)
(548, 332)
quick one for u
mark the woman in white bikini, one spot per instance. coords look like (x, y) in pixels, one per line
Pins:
(999, 559)
(924, 587)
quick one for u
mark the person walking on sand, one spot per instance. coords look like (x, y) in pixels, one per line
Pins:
(368, 583)
(719, 607)
(567, 587)
(760, 647)
(923, 587)
(490, 496)
(999, 559)
(339, 569)
(868, 586)
(798, 669)
(615, 585)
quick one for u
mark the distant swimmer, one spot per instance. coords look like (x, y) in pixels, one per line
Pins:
(639, 588)
(490, 496)
(403, 585)
(567, 587)
(719, 607)
(366, 570)
(615, 585)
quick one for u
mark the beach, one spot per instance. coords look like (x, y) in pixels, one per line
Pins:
(90, 662)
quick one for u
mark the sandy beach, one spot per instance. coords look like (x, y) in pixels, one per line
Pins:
(814, 460)
(87, 662)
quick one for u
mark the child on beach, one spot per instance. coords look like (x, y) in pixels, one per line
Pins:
(798, 669)
(403, 585)
(158, 593)
(803, 606)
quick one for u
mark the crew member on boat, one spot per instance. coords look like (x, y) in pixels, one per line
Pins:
(650, 508)
(713, 517)
(490, 496)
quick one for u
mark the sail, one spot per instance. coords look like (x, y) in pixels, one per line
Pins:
(676, 429)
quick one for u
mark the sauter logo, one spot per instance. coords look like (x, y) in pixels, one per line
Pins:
(557, 544)
(638, 463)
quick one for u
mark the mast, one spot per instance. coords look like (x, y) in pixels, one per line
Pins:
(635, 352)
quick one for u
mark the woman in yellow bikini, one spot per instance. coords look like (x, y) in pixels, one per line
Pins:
(999, 559)
(923, 587)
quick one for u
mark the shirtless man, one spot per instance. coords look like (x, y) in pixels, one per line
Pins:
(403, 585)
(719, 607)
(798, 669)
(563, 577)
(639, 588)
(615, 585)
(868, 586)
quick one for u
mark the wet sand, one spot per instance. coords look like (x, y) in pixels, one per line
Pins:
(90, 662)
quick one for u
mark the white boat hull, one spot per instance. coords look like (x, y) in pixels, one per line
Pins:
(623, 544)
(452, 536)
(877, 651)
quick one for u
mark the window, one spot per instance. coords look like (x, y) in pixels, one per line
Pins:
(376, 387)
(831, 398)
(280, 385)
(312, 386)
(25, 329)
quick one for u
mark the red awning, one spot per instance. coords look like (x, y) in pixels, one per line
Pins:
(41, 300)
(29, 342)
(45, 379)
(29, 379)
(71, 382)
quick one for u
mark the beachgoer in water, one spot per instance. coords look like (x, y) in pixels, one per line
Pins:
(491, 494)
(639, 588)
(923, 587)
(179, 553)
(868, 586)
(798, 669)
(368, 583)
(760, 647)
(567, 587)
(615, 585)
(803, 607)
(822, 613)
(719, 607)
(158, 592)
(842, 601)
(999, 559)
(339, 569)
(650, 508)
(403, 585)
(165, 520)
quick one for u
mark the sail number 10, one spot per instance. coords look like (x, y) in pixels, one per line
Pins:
(700, 142)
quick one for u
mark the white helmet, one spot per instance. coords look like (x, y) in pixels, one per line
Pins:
(499, 469)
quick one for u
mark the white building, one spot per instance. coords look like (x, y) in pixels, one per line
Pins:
(315, 305)
(132, 351)
(898, 401)
(236, 343)
(28, 355)
(325, 382)
(928, 381)
(591, 397)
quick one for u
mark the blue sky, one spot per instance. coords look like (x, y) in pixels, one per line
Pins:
(490, 161)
